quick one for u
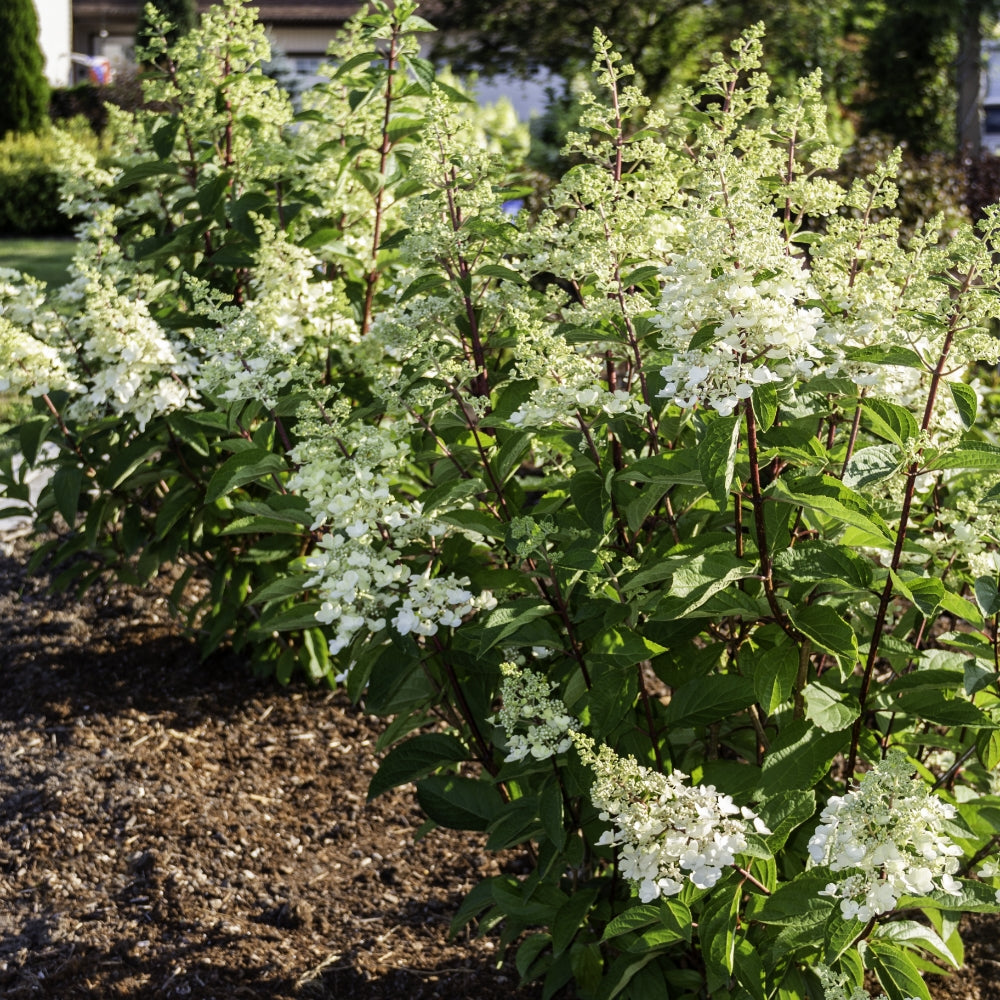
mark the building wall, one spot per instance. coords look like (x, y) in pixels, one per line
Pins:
(55, 26)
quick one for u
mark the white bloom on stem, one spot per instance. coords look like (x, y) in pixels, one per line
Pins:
(536, 724)
(667, 832)
(888, 834)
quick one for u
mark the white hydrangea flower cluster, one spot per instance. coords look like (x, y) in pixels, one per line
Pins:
(562, 402)
(835, 987)
(251, 353)
(528, 704)
(129, 364)
(112, 356)
(887, 833)
(667, 832)
(760, 330)
(361, 574)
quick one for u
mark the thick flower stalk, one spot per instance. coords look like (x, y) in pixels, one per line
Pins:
(536, 724)
(667, 832)
(887, 833)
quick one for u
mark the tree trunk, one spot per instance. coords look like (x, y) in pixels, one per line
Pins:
(968, 79)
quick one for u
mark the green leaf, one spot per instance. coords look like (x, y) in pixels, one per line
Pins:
(968, 455)
(571, 918)
(827, 630)
(977, 676)
(499, 271)
(895, 971)
(707, 699)
(839, 936)
(143, 171)
(872, 465)
(422, 284)
(587, 490)
(504, 621)
(30, 434)
(885, 355)
(717, 457)
(165, 135)
(911, 934)
(828, 708)
(459, 803)
(799, 756)
(513, 449)
(694, 579)
(765, 405)
(966, 401)
(415, 758)
(798, 902)
(988, 748)
(932, 705)
(242, 468)
(988, 595)
(528, 951)
(784, 813)
(890, 421)
(773, 672)
(517, 824)
(641, 275)
(807, 494)
(361, 59)
(632, 919)
(276, 619)
(717, 934)
(817, 560)
(67, 481)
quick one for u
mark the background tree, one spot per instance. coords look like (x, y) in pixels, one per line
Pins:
(24, 106)
(181, 14)
(523, 36)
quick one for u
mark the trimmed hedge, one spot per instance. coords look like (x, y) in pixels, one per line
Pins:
(29, 182)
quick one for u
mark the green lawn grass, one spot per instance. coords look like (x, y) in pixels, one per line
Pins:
(43, 258)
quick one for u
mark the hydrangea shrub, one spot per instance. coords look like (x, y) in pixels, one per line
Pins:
(659, 523)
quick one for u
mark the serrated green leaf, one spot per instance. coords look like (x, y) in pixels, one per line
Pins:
(459, 803)
(966, 401)
(888, 420)
(504, 621)
(827, 630)
(872, 465)
(968, 455)
(988, 595)
(704, 700)
(799, 755)
(773, 672)
(765, 405)
(895, 971)
(798, 902)
(242, 468)
(828, 708)
(717, 457)
(415, 758)
(910, 934)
